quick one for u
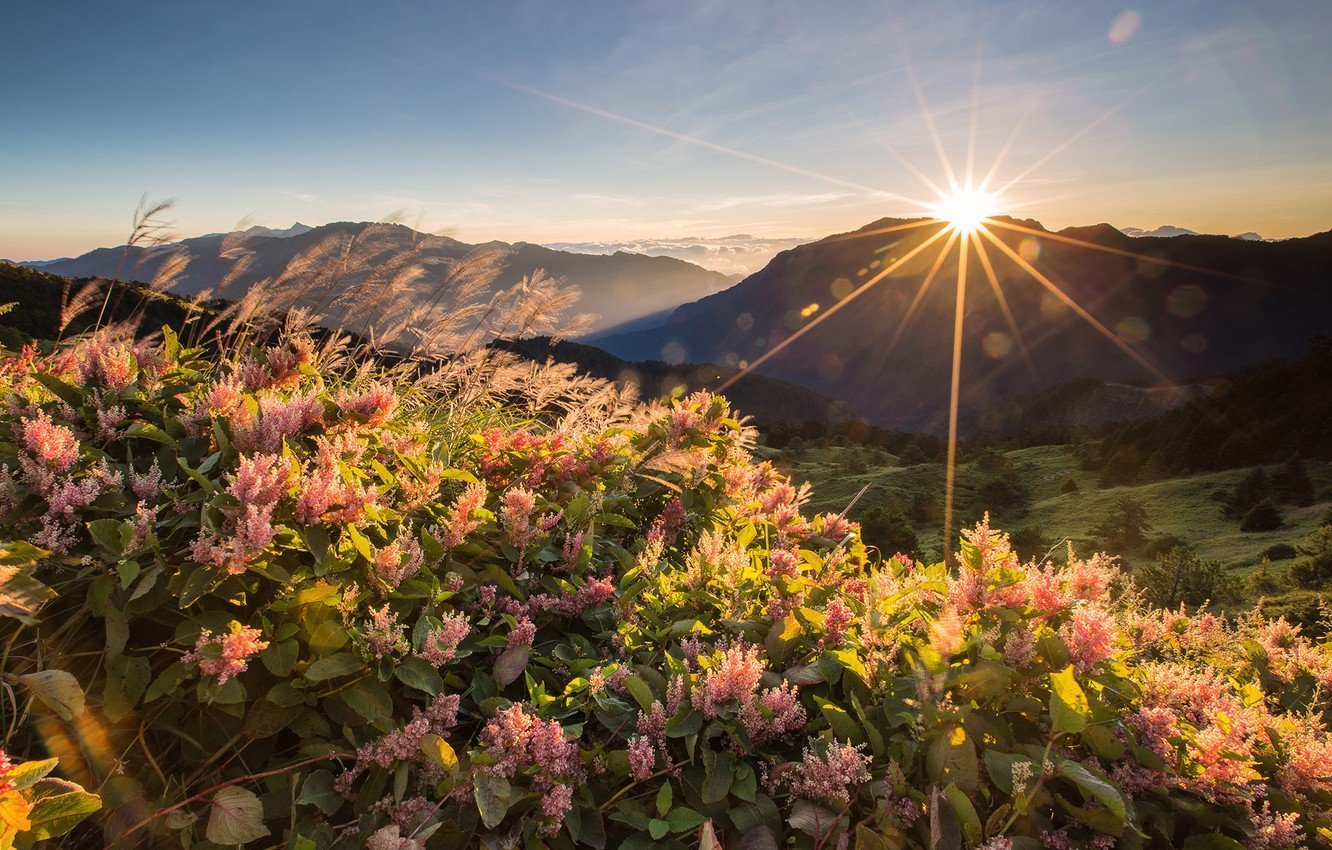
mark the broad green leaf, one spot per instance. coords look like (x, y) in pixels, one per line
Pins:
(58, 689)
(236, 817)
(55, 815)
(342, 664)
(718, 782)
(317, 790)
(492, 798)
(966, 813)
(641, 692)
(1068, 704)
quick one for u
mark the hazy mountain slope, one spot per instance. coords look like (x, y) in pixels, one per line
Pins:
(1263, 299)
(618, 287)
(766, 399)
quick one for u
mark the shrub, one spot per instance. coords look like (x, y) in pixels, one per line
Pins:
(1180, 577)
(1069, 487)
(1313, 568)
(1264, 516)
(1280, 552)
(324, 607)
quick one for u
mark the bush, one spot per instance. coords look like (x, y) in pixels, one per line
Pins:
(1069, 487)
(1313, 568)
(1180, 577)
(334, 608)
(1280, 552)
(890, 531)
(1264, 516)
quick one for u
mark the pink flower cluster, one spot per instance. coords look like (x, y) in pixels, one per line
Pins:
(53, 446)
(383, 634)
(100, 361)
(373, 405)
(461, 519)
(225, 656)
(277, 419)
(1090, 634)
(441, 643)
(400, 559)
(327, 495)
(831, 776)
(5, 767)
(520, 742)
(404, 744)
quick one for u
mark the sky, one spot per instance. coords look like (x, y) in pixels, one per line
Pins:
(548, 121)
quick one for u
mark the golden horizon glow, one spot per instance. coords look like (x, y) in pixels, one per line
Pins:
(967, 209)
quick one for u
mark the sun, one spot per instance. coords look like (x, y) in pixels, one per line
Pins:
(966, 209)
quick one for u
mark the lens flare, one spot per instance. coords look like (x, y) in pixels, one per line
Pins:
(967, 208)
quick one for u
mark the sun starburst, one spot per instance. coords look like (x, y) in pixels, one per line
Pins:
(968, 208)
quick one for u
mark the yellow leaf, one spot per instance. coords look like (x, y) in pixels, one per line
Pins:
(440, 752)
(13, 817)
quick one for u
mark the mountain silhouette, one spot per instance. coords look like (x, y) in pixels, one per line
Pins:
(1190, 305)
(617, 288)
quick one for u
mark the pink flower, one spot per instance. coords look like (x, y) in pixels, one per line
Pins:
(734, 675)
(5, 767)
(277, 419)
(828, 778)
(783, 563)
(441, 644)
(837, 618)
(460, 522)
(55, 446)
(404, 744)
(516, 516)
(227, 655)
(261, 479)
(524, 743)
(400, 559)
(384, 633)
(1090, 634)
(522, 634)
(373, 405)
(642, 757)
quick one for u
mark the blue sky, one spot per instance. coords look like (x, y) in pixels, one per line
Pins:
(555, 121)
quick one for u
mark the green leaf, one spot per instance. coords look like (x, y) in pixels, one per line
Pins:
(418, 673)
(510, 665)
(658, 829)
(718, 782)
(641, 692)
(149, 431)
(952, 757)
(843, 725)
(369, 699)
(59, 690)
(236, 817)
(966, 813)
(317, 790)
(1094, 787)
(23, 775)
(492, 798)
(55, 815)
(682, 819)
(342, 664)
(664, 799)
(1069, 709)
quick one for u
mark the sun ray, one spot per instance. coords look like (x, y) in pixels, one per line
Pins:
(1058, 237)
(704, 143)
(770, 353)
(1074, 305)
(907, 164)
(920, 293)
(1058, 149)
(863, 234)
(975, 115)
(993, 278)
(954, 395)
(925, 112)
(1008, 145)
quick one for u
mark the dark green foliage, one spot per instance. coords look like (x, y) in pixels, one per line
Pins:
(1252, 489)
(1180, 577)
(1069, 487)
(889, 530)
(1280, 552)
(1292, 484)
(1122, 468)
(1264, 516)
(1126, 529)
(1308, 609)
(1268, 580)
(1257, 416)
(1313, 568)
(1030, 542)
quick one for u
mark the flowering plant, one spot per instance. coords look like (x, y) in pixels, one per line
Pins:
(272, 597)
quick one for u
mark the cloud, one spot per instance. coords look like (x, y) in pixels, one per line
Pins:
(740, 254)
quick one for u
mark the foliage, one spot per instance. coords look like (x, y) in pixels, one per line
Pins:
(890, 531)
(1179, 577)
(1313, 568)
(1125, 528)
(1264, 516)
(330, 606)
(35, 807)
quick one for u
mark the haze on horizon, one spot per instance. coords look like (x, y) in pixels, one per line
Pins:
(540, 122)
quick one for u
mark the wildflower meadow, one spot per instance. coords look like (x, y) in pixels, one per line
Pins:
(274, 595)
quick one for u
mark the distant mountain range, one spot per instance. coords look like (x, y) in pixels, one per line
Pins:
(1193, 306)
(618, 288)
(1168, 230)
(738, 255)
